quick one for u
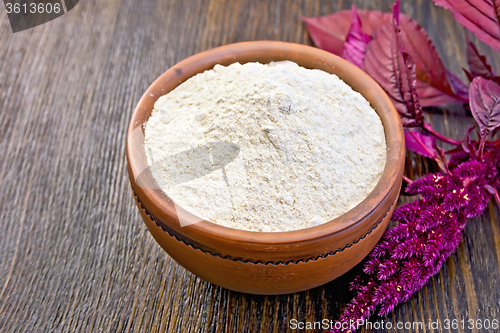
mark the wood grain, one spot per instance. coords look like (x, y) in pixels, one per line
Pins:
(74, 253)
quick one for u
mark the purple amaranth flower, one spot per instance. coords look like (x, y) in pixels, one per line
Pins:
(429, 230)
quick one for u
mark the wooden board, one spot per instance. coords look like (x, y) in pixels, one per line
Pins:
(74, 253)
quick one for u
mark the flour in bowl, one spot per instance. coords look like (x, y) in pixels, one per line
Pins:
(274, 147)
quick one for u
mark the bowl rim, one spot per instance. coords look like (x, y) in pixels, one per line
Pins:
(161, 206)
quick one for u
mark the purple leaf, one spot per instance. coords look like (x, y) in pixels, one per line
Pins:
(431, 96)
(356, 41)
(330, 33)
(394, 70)
(467, 144)
(433, 86)
(484, 98)
(478, 65)
(420, 144)
(478, 16)
(441, 159)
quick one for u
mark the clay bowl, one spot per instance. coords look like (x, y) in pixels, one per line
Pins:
(273, 262)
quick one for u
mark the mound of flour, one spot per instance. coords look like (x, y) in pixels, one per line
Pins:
(272, 147)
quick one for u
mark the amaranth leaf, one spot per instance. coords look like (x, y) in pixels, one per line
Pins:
(484, 98)
(394, 70)
(330, 32)
(420, 144)
(481, 17)
(356, 41)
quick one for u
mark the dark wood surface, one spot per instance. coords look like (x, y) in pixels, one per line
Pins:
(74, 253)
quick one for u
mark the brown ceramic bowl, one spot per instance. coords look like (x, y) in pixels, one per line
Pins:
(272, 262)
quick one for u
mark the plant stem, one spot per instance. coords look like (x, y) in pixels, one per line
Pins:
(482, 142)
(443, 138)
(407, 180)
(497, 197)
